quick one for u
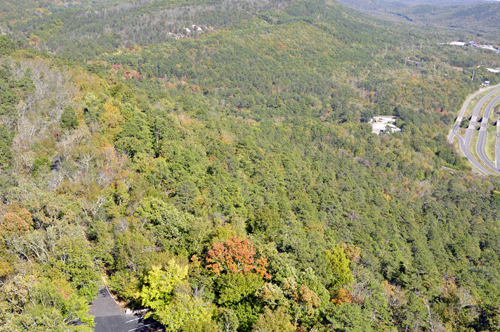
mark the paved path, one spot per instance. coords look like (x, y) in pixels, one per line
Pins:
(110, 317)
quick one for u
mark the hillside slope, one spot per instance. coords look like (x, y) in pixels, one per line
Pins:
(228, 180)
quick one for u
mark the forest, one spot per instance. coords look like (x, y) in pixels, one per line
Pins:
(467, 19)
(228, 179)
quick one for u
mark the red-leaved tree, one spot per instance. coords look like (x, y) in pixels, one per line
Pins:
(235, 256)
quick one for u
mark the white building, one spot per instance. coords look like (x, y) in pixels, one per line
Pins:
(455, 43)
(384, 119)
(489, 48)
(383, 123)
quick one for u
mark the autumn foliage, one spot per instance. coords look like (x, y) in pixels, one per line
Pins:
(343, 296)
(235, 256)
(16, 220)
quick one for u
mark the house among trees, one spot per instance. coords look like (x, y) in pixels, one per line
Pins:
(383, 123)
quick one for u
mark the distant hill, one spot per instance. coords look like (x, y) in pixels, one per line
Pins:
(481, 17)
(474, 17)
(384, 4)
(396, 3)
(439, 2)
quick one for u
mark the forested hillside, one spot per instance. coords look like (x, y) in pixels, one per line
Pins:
(480, 19)
(83, 32)
(466, 19)
(228, 180)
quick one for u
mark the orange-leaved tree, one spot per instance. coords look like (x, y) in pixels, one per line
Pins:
(16, 220)
(235, 256)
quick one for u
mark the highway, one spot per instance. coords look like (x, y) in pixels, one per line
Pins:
(466, 140)
(497, 149)
(464, 108)
(481, 139)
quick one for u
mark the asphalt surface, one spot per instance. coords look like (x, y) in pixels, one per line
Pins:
(481, 139)
(464, 109)
(110, 317)
(464, 142)
(497, 149)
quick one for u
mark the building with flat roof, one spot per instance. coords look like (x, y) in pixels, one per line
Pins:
(384, 123)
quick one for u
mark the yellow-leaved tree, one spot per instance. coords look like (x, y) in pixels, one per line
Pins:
(173, 303)
(341, 274)
(112, 120)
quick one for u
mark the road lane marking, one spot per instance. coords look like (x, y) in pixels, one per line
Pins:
(133, 320)
(139, 327)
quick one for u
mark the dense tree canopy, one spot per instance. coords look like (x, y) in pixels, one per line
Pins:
(229, 181)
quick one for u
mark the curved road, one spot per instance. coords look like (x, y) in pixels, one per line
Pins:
(464, 108)
(465, 142)
(481, 140)
(497, 150)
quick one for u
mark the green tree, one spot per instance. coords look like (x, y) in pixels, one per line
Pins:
(347, 318)
(5, 145)
(274, 321)
(175, 230)
(340, 269)
(49, 308)
(68, 118)
(7, 46)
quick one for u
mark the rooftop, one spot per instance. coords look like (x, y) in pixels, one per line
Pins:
(379, 127)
